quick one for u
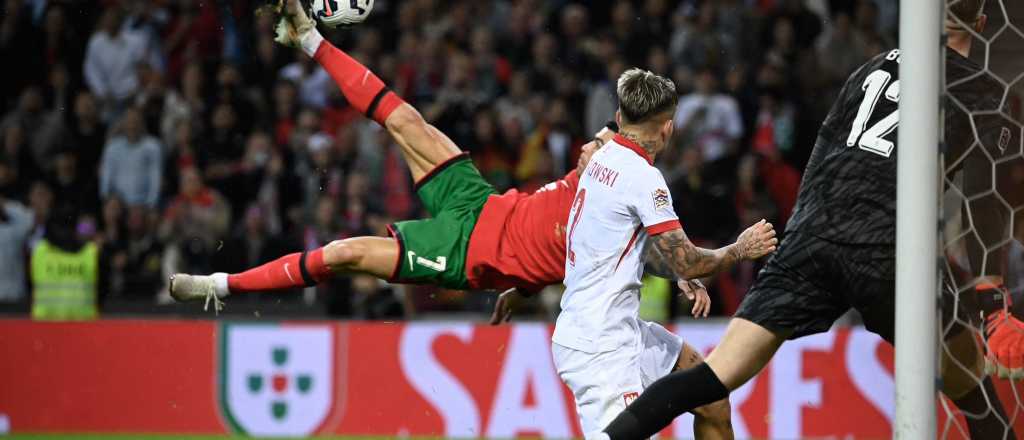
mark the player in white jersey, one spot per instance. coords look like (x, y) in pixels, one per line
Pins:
(603, 351)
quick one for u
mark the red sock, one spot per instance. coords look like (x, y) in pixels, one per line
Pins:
(286, 272)
(364, 90)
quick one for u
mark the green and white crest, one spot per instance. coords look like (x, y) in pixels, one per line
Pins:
(276, 380)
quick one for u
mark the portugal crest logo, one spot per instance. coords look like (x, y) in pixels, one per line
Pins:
(278, 380)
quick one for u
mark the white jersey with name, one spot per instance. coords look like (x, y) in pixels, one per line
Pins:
(622, 200)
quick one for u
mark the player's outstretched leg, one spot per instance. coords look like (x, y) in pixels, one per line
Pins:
(423, 146)
(711, 421)
(745, 349)
(964, 381)
(359, 255)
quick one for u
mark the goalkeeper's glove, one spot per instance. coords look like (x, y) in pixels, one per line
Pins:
(1004, 333)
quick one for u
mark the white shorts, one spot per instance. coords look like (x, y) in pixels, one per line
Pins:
(605, 383)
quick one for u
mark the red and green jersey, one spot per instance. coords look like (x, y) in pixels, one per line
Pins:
(519, 238)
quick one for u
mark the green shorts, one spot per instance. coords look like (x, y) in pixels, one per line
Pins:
(433, 250)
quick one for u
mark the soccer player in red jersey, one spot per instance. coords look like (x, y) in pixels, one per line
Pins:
(475, 238)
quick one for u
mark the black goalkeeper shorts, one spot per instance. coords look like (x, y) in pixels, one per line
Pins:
(810, 282)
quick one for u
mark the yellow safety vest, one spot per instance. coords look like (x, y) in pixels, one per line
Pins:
(64, 283)
(655, 294)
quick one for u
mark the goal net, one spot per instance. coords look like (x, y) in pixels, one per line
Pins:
(982, 218)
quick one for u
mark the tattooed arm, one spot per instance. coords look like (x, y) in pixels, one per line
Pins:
(688, 261)
(655, 264)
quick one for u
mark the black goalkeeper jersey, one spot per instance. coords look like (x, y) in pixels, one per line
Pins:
(848, 192)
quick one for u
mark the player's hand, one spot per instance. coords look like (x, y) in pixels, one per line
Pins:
(1005, 351)
(503, 307)
(757, 241)
(695, 291)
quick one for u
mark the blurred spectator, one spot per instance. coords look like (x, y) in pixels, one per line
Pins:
(320, 174)
(19, 40)
(112, 60)
(40, 201)
(698, 43)
(15, 226)
(132, 163)
(313, 80)
(194, 222)
(701, 195)
(224, 148)
(709, 120)
(11, 185)
(491, 71)
(253, 244)
(194, 32)
(86, 132)
(73, 187)
(512, 106)
(456, 101)
(774, 137)
(550, 150)
(805, 25)
(162, 108)
(843, 47)
(65, 271)
(633, 40)
(20, 129)
(492, 155)
(131, 264)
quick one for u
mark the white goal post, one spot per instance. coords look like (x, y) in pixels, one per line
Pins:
(917, 209)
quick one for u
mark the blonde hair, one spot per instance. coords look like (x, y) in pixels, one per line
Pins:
(643, 94)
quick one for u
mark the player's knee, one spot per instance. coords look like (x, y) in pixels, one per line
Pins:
(404, 118)
(717, 413)
(343, 254)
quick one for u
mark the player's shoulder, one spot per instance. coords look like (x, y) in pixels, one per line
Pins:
(636, 164)
(970, 85)
(888, 61)
(958, 65)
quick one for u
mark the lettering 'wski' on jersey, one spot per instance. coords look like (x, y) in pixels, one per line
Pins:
(622, 200)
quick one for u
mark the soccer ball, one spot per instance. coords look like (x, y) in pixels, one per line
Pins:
(334, 13)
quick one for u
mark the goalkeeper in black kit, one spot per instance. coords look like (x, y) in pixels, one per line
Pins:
(839, 247)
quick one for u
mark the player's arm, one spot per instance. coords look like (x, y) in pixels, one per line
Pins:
(689, 261)
(655, 264)
(694, 290)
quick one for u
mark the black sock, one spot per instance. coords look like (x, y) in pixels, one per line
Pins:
(665, 400)
(993, 424)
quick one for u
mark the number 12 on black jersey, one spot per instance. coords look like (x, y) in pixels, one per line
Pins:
(872, 139)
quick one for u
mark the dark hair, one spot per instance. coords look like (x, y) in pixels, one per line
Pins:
(643, 94)
(967, 11)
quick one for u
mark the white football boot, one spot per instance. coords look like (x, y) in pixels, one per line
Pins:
(185, 287)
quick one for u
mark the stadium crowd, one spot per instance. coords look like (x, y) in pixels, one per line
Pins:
(176, 136)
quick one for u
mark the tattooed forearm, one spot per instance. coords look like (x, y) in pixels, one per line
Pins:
(689, 261)
(655, 264)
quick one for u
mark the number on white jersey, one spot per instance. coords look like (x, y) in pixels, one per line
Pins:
(872, 139)
(577, 209)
